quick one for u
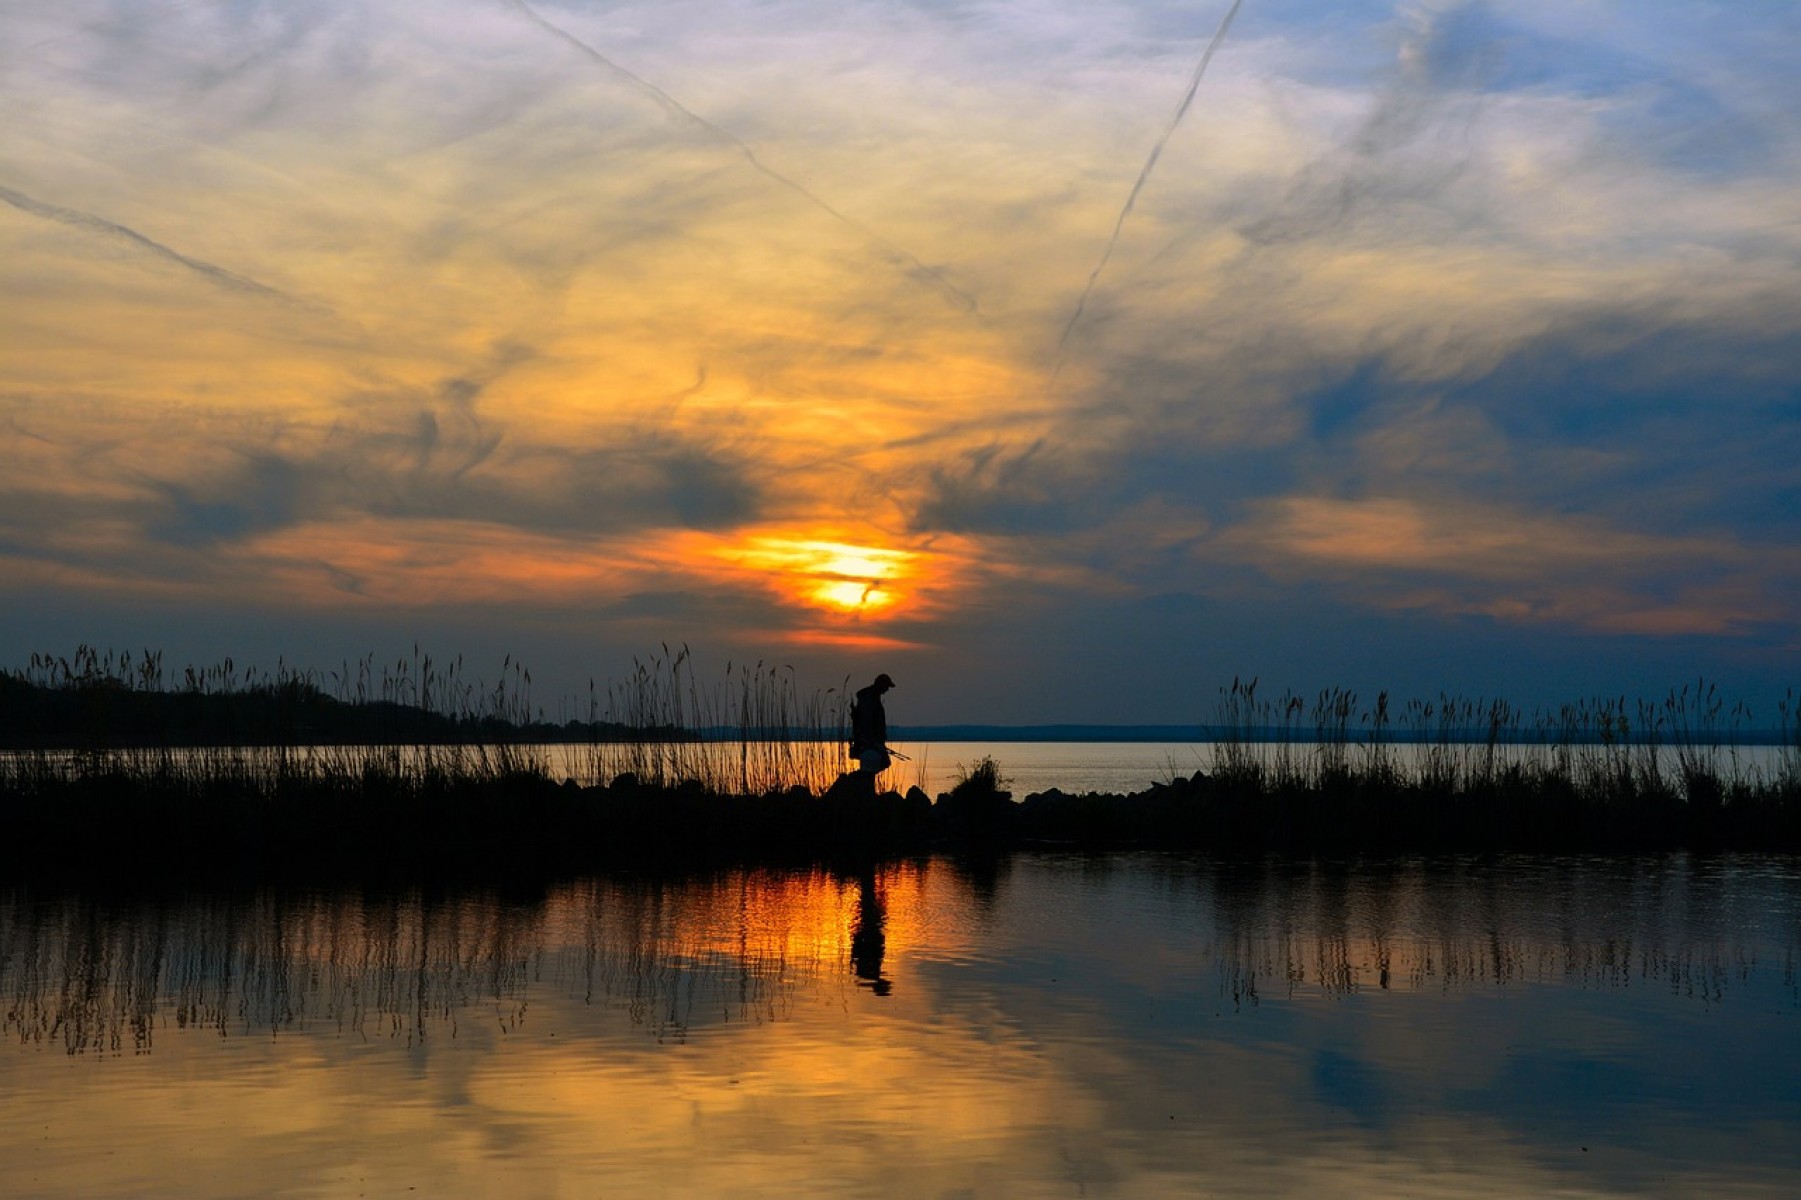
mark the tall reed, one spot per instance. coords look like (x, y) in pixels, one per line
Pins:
(1688, 746)
(415, 721)
(754, 732)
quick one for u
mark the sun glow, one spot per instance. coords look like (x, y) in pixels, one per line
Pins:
(834, 576)
(851, 595)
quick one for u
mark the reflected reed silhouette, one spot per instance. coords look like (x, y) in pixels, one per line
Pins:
(1158, 1024)
(1680, 922)
(110, 976)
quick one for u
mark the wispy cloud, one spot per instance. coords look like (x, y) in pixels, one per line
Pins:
(906, 261)
(1457, 310)
(229, 280)
(1144, 175)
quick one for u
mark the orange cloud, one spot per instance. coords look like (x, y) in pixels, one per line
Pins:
(1520, 567)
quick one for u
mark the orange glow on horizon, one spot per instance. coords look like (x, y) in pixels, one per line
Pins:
(845, 640)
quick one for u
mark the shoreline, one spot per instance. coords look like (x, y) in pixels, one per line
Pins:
(451, 828)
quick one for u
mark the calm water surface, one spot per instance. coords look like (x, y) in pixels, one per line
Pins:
(1039, 1026)
(1078, 767)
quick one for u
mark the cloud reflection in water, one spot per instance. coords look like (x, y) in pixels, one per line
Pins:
(1128, 1026)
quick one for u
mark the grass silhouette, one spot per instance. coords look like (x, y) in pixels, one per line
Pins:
(417, 769)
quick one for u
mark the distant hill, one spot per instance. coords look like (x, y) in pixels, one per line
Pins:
(108, 713)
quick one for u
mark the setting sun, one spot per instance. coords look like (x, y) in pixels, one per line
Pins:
(831, 575)
(848, 594)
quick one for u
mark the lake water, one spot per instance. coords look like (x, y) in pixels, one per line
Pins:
(1038, 1025)
(1077, 767)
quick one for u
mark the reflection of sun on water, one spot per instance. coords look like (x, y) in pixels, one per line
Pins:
(780, 917)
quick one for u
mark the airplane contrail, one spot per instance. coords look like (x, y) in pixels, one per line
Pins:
(1150, 164)
(906, 261)
(88, 221)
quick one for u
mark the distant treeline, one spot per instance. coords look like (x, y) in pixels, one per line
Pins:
(103, 714)
(93, 700)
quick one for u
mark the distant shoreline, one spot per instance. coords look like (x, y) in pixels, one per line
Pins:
(1274, 735)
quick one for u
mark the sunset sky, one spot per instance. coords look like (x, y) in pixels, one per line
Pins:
(1443, 346)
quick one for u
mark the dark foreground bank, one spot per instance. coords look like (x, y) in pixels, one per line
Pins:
(112, 766)
(122, 824)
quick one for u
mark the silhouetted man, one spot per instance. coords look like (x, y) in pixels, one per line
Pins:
(869, 729)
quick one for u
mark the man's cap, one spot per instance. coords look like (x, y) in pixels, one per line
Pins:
(883, 681)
